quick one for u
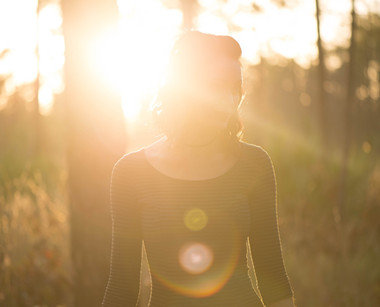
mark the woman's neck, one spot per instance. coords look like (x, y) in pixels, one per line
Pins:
(179, 160)
(200, 149)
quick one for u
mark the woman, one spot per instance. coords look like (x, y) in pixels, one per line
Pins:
(197, 195)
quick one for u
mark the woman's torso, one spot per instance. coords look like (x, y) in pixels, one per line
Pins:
(195, 234)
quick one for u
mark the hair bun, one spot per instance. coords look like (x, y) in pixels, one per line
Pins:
(194, 51)
(195, 43)
(230, 46)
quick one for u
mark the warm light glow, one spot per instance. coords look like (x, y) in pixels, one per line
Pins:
(146, 37)
(105, 53)
(51, 59)
(273, 30)
(147, 30)
(208, 22)
(195, 258)
(22, 29)
(45, 98)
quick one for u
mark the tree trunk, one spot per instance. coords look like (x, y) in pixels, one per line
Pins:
(321, 80)
(95, 140)
(36, 116)
(189, 11)
(347, 129)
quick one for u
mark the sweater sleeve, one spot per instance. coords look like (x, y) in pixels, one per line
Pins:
(124, 278)
(264, 238)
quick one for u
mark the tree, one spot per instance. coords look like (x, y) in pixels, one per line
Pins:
(347, 116)
(321, 80)
(189, 11)
(95, 140)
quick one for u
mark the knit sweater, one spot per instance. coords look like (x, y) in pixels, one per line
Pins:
(196, 234)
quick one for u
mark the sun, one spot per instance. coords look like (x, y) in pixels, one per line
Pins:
(132, 59)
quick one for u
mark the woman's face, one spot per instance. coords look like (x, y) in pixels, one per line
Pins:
(213, 97)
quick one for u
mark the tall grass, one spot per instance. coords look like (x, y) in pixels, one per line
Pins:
(34, 263)
(331, 256)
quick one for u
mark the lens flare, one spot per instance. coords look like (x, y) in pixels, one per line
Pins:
(203, 264)
(195, 258)
(195, 219)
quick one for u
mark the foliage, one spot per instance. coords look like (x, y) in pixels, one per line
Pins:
(34, 231)
(330, 258)
(35, 248)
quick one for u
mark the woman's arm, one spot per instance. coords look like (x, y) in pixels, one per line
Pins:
(288, 302)
(124, 278)
(264, 238)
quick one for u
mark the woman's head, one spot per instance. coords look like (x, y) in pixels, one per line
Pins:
(203, 87)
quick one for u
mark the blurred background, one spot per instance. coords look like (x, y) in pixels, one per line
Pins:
(77, 81)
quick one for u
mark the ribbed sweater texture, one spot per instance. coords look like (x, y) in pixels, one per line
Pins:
(196, 234)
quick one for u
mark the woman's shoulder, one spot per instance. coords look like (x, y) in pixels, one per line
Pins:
(256, 159)
(128, 161)
(253, 151)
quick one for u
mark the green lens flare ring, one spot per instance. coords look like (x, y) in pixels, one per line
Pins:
(195, 219)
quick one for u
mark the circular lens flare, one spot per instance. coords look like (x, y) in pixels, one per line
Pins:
(195, 219)
(195, 258)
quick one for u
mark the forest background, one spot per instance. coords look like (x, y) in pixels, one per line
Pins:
(71, 104)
